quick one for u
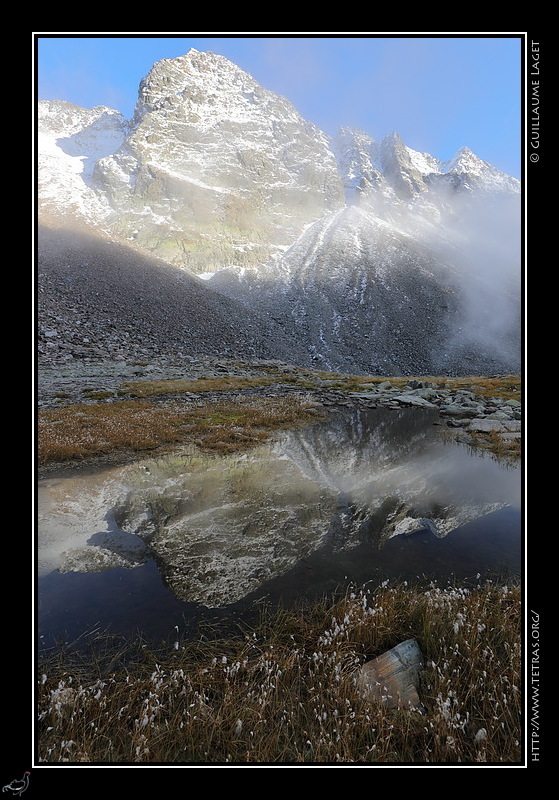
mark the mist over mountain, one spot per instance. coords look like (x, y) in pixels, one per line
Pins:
(219, 220)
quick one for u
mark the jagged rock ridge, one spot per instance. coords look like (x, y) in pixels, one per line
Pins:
(368, 255)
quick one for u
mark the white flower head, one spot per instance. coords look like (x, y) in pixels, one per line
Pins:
(481, 735)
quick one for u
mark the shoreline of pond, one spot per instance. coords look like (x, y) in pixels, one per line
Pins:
(464, 405)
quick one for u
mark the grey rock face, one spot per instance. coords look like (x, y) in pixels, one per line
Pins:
(229, 169)
(358, 162)
(399, 168)
(369, 256)
(370, 298)
(71, 140)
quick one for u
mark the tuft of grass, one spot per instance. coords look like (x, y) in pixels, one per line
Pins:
(501, 447)
(97, 394)
(87, 430)
(285, 690)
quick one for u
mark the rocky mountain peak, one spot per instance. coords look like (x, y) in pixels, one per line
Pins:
(71, 140)
(402, 171)
(215, 169)
(193, 79)
(474, 173)
(355, 248)
(357, 156)
(59, 118)
(465, 160)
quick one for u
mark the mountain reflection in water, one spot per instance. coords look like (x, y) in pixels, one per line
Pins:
(345, 493)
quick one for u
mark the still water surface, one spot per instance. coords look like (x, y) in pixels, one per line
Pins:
(365, 496)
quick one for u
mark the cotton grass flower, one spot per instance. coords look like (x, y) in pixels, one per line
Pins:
(292, 684)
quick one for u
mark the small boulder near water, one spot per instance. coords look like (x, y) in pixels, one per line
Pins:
(393, 677)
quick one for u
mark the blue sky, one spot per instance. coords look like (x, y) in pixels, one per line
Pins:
(439, 92)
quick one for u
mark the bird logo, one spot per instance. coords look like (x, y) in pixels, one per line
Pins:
(17, 787)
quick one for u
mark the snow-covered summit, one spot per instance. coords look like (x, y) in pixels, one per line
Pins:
(70, 141)
(212, 156)
(367, 251)
(205, 81)
(389, 169)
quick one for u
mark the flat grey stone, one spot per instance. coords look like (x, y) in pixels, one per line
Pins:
(414, 400)
(485, 426)
(393, 677)
(512, 425)
(453, 410)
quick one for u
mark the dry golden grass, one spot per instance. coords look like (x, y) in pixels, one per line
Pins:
(285, 692)
(503, 448)
(93, 430)
(80, 431)
(231, 426)
(506, 387)
(162, 387)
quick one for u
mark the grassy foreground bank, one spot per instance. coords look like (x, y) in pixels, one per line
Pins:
(284, 691)
(150, 415)
(79, 432)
